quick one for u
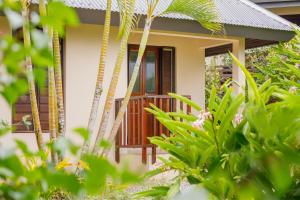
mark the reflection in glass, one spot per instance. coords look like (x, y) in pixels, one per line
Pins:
(132, 59)
(150, 72)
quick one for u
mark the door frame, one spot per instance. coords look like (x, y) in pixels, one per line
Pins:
(156, 49)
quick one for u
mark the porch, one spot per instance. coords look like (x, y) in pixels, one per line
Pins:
(173, 62)
(138, 125)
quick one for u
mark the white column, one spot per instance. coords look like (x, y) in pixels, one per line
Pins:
(238, 51)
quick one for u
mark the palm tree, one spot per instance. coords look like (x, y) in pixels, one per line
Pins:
(99, 82)
(127, 22)
(58, 85)
(31, 84)
(202, 11)
(51, 86)
(52, 111)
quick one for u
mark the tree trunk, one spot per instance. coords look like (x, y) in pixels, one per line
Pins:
(59, 85)
(114, 81)
(52, 111)
(134, 76)
(31, 84)
(99, 82)
(51, 87)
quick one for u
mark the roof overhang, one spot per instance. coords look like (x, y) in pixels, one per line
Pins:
(89, 16)
(277, 3)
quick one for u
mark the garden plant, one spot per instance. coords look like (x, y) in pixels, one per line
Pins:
(243, 146)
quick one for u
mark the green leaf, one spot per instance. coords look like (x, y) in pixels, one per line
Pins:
(203, 11)
(186, 100)
(65, 181)
(105, 144)
(96, 176)
(249, 78)
(83, 132)
(174, 189)
(155, 192)
(59, 16)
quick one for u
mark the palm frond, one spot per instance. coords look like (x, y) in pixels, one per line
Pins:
(203, 11)
(128, 19)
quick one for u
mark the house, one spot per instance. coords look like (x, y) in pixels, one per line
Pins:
(173, 62)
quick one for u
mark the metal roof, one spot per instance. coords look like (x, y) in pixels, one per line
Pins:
(232, 12)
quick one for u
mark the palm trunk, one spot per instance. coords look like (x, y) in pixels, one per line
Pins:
(114, 81)
(31, 84)
(51, 87)
(58, 85)
(134, 76)
(99, 83)
(52, 111)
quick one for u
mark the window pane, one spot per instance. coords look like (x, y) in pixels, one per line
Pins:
(132, 59)
(150, 72)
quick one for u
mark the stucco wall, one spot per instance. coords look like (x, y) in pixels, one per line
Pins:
(82, 50)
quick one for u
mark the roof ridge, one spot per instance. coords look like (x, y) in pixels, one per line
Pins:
(227, 15)
(266, 12)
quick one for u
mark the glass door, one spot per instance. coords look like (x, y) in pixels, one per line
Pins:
(147, 82)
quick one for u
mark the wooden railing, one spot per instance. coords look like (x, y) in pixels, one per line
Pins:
(138, 125)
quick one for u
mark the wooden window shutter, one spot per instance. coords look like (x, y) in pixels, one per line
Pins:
(167, 70)
(23, 107)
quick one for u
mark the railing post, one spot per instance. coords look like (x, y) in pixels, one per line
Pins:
(117, 144)
(188, 107)
(144, 132)
(154, 133)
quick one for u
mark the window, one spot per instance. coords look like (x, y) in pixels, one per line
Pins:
(22, 108)
(22, 111)
(157, 71)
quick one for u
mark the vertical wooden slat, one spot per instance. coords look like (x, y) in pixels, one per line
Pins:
(154, 134)
(130, 125)
(160, 105)
(133, 123)
(125, 128)
(117, 142)
(167, 110)
(139, 122)
(188, 107)
(181, 108)
(144, 132)
(181, 105)
(153, 154)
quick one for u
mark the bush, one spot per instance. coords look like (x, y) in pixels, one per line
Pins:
(236, 149)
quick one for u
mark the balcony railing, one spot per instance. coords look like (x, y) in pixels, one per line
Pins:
(138, 125)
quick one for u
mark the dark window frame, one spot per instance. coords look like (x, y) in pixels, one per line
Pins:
(160, 49)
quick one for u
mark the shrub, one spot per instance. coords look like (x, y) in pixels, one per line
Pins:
(235, 149)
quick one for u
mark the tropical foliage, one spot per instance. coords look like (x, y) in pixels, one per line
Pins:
(27, 174)
(236, 148)
(283, 68)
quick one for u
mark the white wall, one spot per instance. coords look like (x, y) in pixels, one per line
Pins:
(82, 50)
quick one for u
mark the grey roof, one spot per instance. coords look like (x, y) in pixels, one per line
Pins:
(232, 12)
